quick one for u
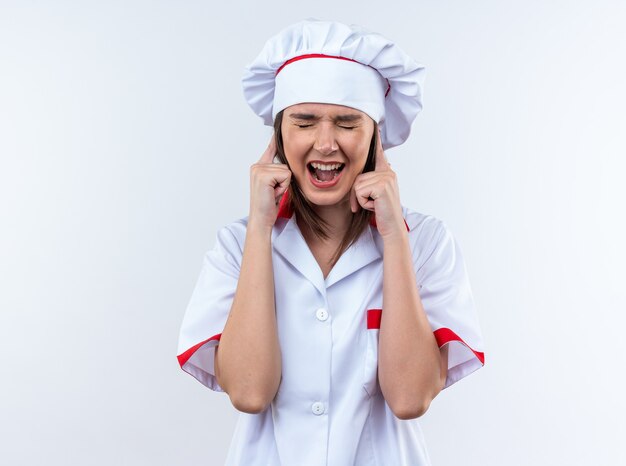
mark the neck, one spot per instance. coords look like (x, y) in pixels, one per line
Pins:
(337, 216)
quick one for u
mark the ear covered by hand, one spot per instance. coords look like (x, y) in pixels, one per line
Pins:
(378, 191)
(268, 182)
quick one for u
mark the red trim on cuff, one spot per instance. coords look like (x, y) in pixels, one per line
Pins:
(373, 318)
(445, 335)
(184, 357)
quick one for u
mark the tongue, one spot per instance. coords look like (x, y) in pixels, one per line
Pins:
(325, 175)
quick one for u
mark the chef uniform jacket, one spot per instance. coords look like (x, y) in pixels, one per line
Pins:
(329, 409)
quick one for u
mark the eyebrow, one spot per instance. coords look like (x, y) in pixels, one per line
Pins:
(312, 117)
(351, 117)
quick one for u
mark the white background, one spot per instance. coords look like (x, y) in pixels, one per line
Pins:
(125, 143)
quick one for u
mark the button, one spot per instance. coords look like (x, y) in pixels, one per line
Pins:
(317, 408)
(321, 314)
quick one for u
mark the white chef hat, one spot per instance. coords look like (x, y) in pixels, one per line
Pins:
(330, 62)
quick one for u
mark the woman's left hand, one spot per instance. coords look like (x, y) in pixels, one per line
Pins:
(378, 191)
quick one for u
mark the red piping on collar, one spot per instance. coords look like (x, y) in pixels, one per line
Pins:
(285, 211)
(321, 55)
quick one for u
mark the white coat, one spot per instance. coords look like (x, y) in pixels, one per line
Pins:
(329, 409)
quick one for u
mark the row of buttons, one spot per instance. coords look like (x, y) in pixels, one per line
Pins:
(318, 407)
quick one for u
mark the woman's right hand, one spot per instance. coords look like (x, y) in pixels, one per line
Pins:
(268, 182)
(249, 358)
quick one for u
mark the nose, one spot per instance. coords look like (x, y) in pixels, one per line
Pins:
(325, 142)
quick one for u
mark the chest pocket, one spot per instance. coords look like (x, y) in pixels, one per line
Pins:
(370, 372)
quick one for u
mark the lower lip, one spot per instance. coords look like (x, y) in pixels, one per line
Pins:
(324, 184)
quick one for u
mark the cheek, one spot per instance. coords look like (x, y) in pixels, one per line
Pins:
(295, 155)
(295, 145)
(358, 149)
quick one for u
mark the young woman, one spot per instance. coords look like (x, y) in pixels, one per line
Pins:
(339, 313)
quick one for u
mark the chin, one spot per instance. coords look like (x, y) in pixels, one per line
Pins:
(326, 199)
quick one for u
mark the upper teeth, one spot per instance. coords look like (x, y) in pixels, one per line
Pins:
(332, 166)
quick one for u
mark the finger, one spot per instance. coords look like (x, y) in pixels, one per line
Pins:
(381, 160)
(279, 193)
(281, 182)
(354, 203)
(366, 202)
(374, 182)
(365, 197)
(270, 152)
(367, 178)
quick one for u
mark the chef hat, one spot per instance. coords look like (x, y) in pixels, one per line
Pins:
(330, 62)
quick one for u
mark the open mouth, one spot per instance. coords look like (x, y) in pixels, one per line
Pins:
(325, 172)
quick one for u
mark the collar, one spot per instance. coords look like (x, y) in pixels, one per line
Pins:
(289, 243)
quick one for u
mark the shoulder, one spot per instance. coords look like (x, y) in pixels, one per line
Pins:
(426, 232)
(230, 238)
(423, 228)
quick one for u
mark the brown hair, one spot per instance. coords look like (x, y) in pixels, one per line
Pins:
(303, 209)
